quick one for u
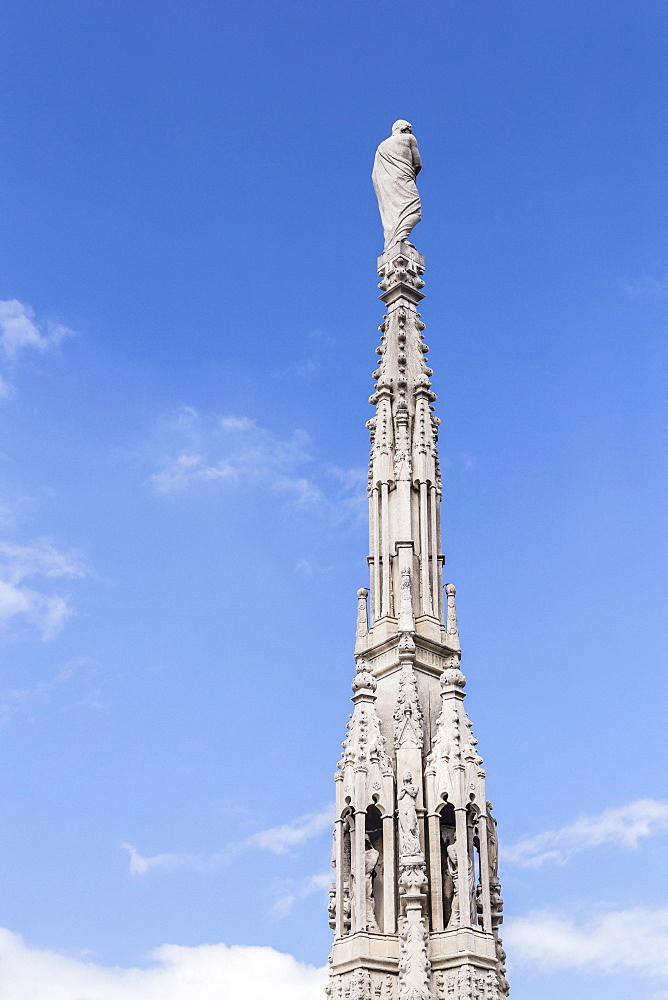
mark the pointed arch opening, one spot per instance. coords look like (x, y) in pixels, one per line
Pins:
(373, 868)
(475, 869)
(448, 838)
(346, 879)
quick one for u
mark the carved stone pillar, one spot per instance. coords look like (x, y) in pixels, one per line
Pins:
(414, 964)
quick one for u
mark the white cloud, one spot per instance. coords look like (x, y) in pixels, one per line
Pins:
(140, 865)
(634, 940)
(279, 839)
(623, 826)
(650, 286)
(205, 972)
(304, 370)
(194, 449)
(20, 332)
(287, 897)
(187, 468)
(233, 449)
(11, 700)
(45, 611)
(276, 839)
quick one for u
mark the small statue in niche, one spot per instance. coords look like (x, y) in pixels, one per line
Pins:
(448, 837)
(453, 865)
(409, 831)
(492, 843)
(453, 868)
(496, 903)
(371, 857)
(346, 907)
(473, 847)
(331, 907)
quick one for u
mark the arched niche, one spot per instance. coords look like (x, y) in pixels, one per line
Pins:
(473, 828)
(447, 837)
(375, 866)
(346, 879)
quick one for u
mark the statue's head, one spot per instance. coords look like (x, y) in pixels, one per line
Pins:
(408, 778)
(402, 126)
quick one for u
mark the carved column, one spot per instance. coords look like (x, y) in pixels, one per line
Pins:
(414, 964)
(389, 875)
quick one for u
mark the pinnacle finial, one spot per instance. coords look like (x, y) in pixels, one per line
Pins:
(451, 617)
(362, 618)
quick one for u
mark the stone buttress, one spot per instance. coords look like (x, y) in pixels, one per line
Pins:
(415, 904)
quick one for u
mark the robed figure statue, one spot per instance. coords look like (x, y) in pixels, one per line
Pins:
(395, 168)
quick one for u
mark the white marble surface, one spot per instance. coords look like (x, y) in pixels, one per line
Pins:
(395, 168)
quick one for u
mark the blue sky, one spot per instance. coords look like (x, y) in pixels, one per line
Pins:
(188, 325)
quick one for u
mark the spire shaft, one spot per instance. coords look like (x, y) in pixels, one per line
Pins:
(415, 902)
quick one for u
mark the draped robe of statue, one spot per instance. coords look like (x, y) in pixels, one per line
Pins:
(395, 168)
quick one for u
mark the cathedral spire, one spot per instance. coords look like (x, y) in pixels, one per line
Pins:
(415, 903)
(404, 479)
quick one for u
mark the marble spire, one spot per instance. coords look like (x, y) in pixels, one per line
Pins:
(415, 901)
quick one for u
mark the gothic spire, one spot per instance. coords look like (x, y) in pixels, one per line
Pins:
(415, 902)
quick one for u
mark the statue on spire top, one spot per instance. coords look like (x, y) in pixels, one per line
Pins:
(395, 168)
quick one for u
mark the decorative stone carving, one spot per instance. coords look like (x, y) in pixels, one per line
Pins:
(414, 964)
(362, 984)
(408, 729)
(497, 905)
(402, 268)
(466, 983)
(407, 715)
(504, 985)
(451, 620)
(402, 454)
(454, 747)
(362, 622)
(406, 622)
(331, 907)
(395, 168)
(364, 747)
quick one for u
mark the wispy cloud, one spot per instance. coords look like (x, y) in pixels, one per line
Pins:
(20, 332)
(281, 839)
(304, 369)
(276, 839)
(207, 972)
(196, 449)
(45, 610)
(140, 865)
(650, 286)
(13, 699)
(287, 896)
(624, 826)
(236, 450)
(633, 940)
